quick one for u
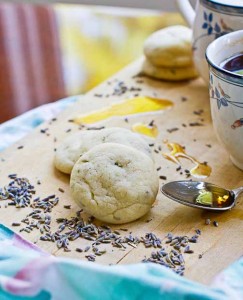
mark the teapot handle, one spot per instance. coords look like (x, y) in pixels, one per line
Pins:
(187, 11)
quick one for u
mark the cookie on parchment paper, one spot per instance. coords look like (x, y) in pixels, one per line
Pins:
(170, 47)
(70, 150)
(114, 183)
(170, 73)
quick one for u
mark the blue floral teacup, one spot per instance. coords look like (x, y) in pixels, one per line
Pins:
(212, 19)
(226, 94)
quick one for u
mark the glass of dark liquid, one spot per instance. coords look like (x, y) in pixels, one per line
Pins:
(225, 60)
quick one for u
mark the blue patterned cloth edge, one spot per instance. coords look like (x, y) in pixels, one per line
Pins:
(15, 129)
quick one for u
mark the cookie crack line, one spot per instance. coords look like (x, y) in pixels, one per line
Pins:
(77, 183)
(90, 191)
(116, 210)
(123, 207)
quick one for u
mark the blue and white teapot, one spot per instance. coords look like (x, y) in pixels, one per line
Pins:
(210, 20)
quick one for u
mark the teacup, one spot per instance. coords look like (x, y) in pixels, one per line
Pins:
(212, 19)
(226, 94)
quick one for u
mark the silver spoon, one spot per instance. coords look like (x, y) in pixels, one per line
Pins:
(201, 194)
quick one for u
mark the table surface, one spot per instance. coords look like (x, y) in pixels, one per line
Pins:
(219, 246)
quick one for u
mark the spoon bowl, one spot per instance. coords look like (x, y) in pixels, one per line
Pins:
(200, 194)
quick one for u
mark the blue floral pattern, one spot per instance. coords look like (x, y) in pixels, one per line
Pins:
(224, 100)
(212, 28)
(218, 94)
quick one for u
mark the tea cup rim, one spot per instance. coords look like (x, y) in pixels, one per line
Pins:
(213, 44)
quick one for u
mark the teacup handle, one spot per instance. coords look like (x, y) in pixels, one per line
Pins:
(187, 11)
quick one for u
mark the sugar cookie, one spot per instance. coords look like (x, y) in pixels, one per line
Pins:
(114, 183)
(170, 47)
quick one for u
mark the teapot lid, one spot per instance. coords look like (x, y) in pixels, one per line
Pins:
(233, 3)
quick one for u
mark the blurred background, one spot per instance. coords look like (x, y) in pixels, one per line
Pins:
(51, 51)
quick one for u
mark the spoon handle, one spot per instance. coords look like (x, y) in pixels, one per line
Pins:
(237, 191)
